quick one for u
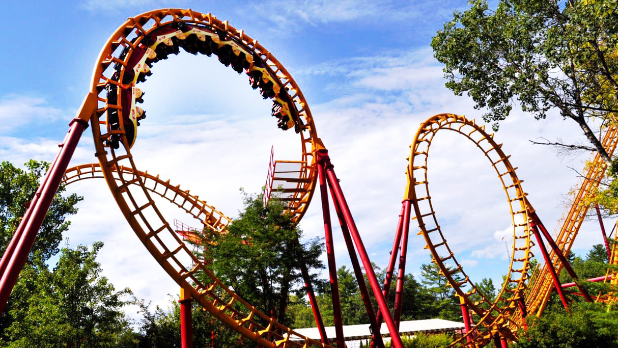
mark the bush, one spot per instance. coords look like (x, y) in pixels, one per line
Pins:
(588, 325)
(425, 341)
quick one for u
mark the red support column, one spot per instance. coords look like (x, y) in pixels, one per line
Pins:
(524, 312)
(373, 281)
(549, 265)
(609, 251)
(362, 287)
(466, 317)
(330, 253)
(503, 343)
(186, 321)
(30, 226)
(391, 265)
(10, 249)
(14, 259)
(317, 316)
(402, 264)
(558, 252)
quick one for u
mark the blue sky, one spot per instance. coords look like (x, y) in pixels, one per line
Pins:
(368, 74)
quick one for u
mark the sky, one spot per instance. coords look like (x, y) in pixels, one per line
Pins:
(367, 71)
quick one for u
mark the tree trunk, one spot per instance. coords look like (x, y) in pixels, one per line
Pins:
(592, 138)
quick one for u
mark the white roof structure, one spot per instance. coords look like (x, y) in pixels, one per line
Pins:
(410, 327)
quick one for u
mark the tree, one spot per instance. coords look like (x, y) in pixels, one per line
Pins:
(540, 55)
(17, 187)
(73, 305)
(586, 325)
(260, 255)
(445, 304)
(161, 329)
(598, 253)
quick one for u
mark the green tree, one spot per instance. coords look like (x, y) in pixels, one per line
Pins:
(539, 55)
(73, 305)
(445, 304)
(161, 328)
(598, 253)
(260, 255)
(17, 187)
(587, 325)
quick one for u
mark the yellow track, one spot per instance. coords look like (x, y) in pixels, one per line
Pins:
(132, 193)
(490, 317)
(211, 218)
(541, 288)
(123, 55)
(503, 316)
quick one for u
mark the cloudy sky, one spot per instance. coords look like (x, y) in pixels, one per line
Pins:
(368, 74)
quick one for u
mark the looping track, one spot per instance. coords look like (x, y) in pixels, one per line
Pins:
(124, 61)
(501, 316)
(492, 317)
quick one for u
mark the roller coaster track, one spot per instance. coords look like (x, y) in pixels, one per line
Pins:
(111, 109)
(211, 218)
(503, 316)
(568, 226)
(492, 317)
(124, 61)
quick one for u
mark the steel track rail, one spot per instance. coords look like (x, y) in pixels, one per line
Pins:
(119, 67)
(492, 317)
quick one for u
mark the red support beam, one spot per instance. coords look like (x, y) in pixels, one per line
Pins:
(317, 316)
(373, 281)
(593, 280)
(391, 264)
(609, 251)
(466, 317)
(375, 327)
(524, 312)
(29, 226)
(20, 229)
(549, 264)
(330, 253)
(558, 252)
(186, 320)
(402, 264)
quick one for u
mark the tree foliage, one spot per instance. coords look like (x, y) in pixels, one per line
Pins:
(260, 255)
(539, 55)
(161, 328)
(586, 325)
(72, 305)
(17, 187)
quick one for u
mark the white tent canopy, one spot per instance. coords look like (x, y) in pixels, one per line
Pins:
(410, 327)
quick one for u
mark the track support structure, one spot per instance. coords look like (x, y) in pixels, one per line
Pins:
(326, 175)
(186, 319)
(19, 247)
(558, 252)
(605, 240)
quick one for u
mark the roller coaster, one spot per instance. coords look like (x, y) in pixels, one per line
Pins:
(111, 110)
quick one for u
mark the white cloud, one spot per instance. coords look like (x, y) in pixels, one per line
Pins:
(17, 111)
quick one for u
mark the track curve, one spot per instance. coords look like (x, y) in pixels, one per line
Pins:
(125, 60)
(492, 316)
(501, 316)
(211, 218)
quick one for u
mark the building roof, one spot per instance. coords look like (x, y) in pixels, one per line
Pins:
(362, 331)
